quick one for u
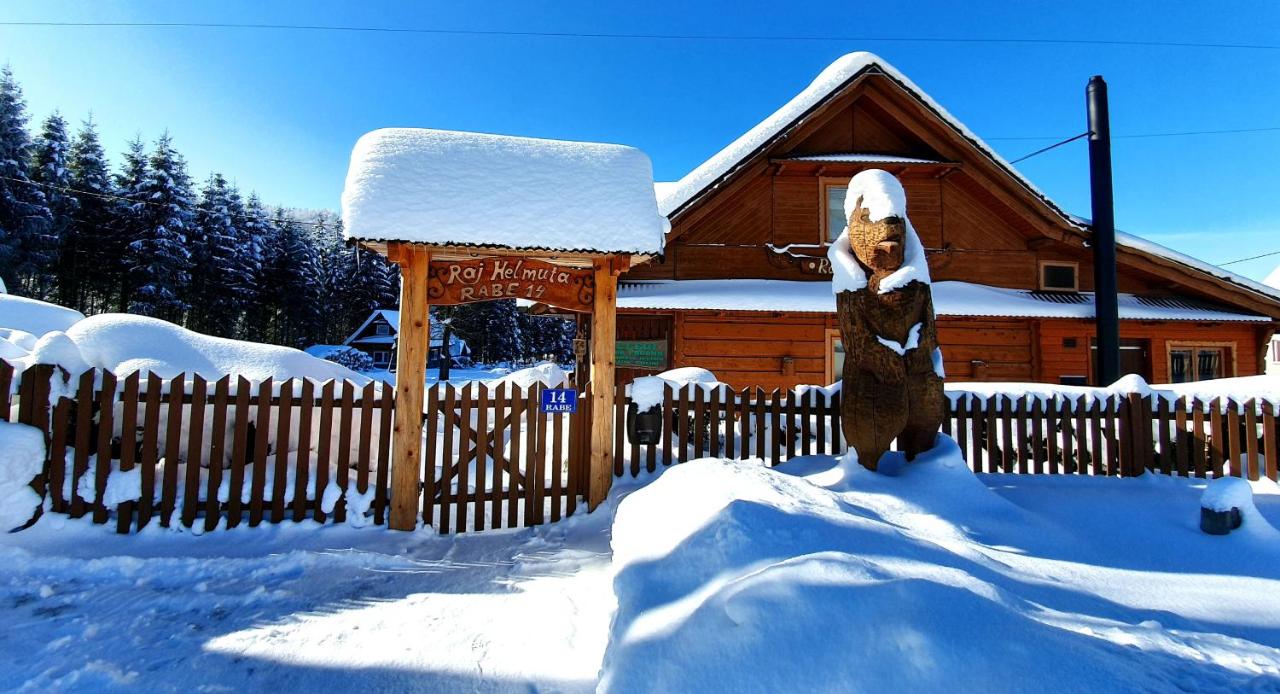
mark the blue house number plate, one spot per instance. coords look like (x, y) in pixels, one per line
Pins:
(560, 400)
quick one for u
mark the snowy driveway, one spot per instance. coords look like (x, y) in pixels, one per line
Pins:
(291, 608)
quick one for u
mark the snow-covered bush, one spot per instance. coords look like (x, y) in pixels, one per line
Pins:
(352, 359)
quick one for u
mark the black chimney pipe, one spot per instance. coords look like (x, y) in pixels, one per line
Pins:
(1106, 309)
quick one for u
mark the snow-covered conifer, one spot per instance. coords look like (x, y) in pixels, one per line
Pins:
(158, 254)
(24, 216)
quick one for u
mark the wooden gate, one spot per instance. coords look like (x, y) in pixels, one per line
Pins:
(493, 459)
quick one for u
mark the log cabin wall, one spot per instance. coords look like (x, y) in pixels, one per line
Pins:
(976, 224)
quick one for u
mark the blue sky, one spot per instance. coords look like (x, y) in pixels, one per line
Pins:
(279, 110)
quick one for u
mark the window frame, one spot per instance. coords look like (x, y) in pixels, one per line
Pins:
(1230, 364)
(832, 337)
(825, 182)
(1075, 271)
(382, 329)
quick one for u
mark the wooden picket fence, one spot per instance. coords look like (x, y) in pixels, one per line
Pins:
(999, 433)
(290, 450)
(122, 450)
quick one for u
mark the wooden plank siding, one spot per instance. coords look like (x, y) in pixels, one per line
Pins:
(977, 224)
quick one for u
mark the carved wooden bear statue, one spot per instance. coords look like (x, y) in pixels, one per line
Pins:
(893, 377)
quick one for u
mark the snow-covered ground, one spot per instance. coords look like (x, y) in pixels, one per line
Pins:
(295, 608)
(730, 576)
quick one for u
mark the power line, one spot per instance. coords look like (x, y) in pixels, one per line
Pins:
(1255, 257)
(1141, 135)
(640, 36)
(1052, 146)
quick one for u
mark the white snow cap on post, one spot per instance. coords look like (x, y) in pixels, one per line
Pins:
(881, 194)
(461, 188)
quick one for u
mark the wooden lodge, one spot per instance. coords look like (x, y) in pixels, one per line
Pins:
(743, 286)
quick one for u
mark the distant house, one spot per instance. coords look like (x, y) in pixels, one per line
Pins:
(377, 338)
(1273, 351)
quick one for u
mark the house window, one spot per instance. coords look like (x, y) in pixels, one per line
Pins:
(382, 329)
(381, 357)
(1059, 276)
(833, 194)
(1190, 362)
(835, 356)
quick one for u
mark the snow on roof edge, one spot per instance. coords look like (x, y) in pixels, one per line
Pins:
(1144, 245)
(951, 298)
(833, 78)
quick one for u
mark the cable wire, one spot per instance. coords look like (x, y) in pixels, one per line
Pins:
(1053, 146)
(639, 36)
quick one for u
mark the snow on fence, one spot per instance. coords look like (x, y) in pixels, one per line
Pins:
(292, 449)
(1005, 433)
(297, 449)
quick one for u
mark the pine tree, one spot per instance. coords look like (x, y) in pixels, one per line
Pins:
(300, 282)
(220, 290)
(490, 328)
(55, 256)
(130, 218)
(24, 217)
(265, 248)
(158, 255)
(100, 246)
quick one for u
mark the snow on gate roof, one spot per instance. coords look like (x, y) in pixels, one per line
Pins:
(950, 298)
(450, 188)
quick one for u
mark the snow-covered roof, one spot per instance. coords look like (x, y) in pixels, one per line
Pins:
(863, 158)
(392, 317)
(950, 298)
(450, 188)
(828, 82)
(1273, 280)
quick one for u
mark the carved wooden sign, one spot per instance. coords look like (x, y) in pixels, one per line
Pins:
(487, 279)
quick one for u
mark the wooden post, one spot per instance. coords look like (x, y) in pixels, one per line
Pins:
(411, 375)
(604, 322)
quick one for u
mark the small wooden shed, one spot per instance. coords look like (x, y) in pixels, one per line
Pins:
(478, 217)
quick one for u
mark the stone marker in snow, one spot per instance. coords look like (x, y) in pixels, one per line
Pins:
(892, 378)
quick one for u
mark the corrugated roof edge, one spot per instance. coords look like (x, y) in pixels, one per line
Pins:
(1144, 245)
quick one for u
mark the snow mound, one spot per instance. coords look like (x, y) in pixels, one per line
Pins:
(35, 317)
(1226, 493)
(546, 373)
(882, 194)
(123, 344)
(649, 391)
(463, 188)
(21, 459)
(821, 576)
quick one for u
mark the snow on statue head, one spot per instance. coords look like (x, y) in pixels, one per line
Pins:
(878, 239)
(892, 378)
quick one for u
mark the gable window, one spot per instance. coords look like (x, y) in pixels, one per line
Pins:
(833, 194)
(1059, 276)
(1200, 362)
(382, 329)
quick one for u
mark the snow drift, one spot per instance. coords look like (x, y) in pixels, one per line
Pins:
(21, 459)
(822, 576)
(123, 344)
(34, 316)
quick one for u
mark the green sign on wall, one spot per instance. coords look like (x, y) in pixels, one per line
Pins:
(642, 354)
